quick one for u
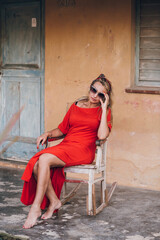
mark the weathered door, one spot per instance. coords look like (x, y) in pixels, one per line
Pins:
(22, 73)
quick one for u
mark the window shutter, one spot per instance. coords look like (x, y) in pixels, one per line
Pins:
(148, 72)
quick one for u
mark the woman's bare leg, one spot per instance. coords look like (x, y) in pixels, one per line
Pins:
(55, 203)
(45, 162)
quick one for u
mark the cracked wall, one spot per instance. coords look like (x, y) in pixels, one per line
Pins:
(83, 41)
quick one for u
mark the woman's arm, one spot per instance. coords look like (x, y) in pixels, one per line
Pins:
(103, 130)
(53, 133)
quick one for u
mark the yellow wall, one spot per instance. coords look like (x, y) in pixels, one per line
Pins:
(80, 43)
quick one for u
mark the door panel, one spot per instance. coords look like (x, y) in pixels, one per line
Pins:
(11, 103)
(30, 98)
(23, 92)
(21, 31)
(22, 78)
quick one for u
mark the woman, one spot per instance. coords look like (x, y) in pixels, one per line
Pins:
(85, 121)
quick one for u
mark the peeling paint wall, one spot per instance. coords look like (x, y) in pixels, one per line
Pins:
(83, 41)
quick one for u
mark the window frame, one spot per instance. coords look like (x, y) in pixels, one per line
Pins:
(137, 41)
(139, 86)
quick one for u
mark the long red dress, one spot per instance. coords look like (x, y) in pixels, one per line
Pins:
(78, 147)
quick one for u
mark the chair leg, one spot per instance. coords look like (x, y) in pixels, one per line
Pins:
(64, 187)
(94, 199)
(106, 197)
(103, 188)
(102, 192)
(89, 198)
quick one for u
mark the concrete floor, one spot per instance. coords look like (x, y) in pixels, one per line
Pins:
(132, 214)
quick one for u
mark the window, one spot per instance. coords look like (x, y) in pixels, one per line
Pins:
(147, 43)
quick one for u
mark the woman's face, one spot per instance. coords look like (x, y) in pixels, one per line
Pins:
(96, 93)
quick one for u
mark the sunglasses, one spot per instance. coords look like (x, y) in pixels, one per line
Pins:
(100, 95)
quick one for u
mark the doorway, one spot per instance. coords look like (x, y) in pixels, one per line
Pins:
(22, 74)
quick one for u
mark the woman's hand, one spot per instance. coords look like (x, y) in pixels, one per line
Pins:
(42, 139)
(53, 133)
(106, 101)
(103, 130)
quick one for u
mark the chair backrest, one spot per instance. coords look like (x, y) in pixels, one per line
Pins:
(101, 155)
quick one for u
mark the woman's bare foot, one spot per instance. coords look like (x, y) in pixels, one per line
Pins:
(34, 213)
(53, 206)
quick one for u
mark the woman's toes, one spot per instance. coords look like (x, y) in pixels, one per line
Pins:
(32, 218)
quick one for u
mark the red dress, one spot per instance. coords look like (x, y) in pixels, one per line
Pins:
(78, 147)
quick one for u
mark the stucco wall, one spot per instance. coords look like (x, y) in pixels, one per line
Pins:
(80, 43)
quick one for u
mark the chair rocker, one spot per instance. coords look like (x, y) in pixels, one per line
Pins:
(97, 167)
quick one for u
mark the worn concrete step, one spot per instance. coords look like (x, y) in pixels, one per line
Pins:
(12, 164)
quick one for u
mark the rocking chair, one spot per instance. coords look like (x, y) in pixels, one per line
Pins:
(97, 167)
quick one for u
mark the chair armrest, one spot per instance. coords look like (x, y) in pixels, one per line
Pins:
(99, 142)
(53, 139)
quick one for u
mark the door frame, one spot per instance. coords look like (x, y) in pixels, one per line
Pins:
(42, 67)
(42, 126)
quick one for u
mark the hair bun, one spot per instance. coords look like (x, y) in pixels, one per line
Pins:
(101, 75)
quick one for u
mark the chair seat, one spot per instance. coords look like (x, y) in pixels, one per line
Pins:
(86, 168)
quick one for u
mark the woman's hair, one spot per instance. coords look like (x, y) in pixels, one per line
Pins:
(107, 85)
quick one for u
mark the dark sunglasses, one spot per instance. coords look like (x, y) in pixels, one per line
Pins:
(100, 95)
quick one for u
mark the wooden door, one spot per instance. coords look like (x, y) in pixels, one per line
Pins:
(22, 74)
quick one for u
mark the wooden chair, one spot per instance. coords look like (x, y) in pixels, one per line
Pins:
(97, 167)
